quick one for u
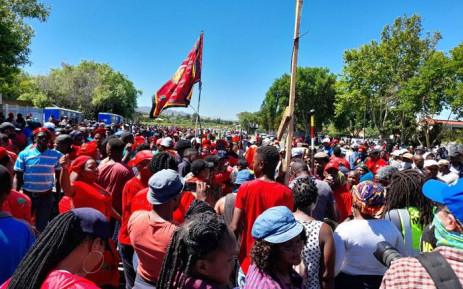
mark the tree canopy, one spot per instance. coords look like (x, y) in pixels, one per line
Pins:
(315, 89)
(397, 81)
(16, 35)
(89, 87)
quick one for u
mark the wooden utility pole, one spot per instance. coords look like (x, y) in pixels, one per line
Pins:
(292, 91)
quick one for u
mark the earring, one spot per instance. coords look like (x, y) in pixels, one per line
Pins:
(102, 262)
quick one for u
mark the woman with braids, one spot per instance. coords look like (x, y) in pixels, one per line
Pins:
(318, 253)
(357, 239)
(71, 247)
(201, 255)
(408, 208)
(279, 242)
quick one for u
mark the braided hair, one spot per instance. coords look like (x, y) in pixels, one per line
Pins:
(198, 207)
(61, 237)
(194, 240)
(163, 161)
(405, 191)
(305, 193)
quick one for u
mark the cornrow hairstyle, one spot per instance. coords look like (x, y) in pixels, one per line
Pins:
(305, 193)
(265, 254)
(198, 207)
(270, 157)
(405, 191)
(161, 161)
(194, 240)
(60, 238)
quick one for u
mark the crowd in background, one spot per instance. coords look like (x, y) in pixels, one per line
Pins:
(176, 208)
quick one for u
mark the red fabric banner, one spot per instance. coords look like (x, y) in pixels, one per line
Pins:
(177, 91)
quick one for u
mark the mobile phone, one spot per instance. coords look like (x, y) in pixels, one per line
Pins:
(190, 187)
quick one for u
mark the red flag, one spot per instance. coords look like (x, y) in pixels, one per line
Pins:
(177, 91)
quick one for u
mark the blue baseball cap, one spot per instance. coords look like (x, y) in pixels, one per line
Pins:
(164, 186)
(92, 222)
(276, 225)
(451, 196)
(243, 176)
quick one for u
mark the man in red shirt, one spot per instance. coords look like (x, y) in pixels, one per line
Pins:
(375, 162)
(142, 162)
(256, 196)
(341, 193)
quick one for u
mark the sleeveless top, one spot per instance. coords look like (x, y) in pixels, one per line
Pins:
(311, 254)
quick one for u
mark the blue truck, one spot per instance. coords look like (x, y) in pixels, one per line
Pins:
(58, 113)
(109, 118)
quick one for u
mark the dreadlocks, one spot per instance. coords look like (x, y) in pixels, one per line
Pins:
(161, 161)
(60, 238)
(194, 240)
(405, 191)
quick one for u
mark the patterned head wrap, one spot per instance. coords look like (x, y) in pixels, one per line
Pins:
(369, 197)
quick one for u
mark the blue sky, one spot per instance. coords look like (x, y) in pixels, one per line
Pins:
(247, 44)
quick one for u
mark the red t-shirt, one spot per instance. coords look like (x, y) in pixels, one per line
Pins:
(254, 197)
(130, 189)
(18, 205)
(113, 177)
(62, 280)
(343, 198)
(92, 196)
(12, 156)
(375, 166)
(140, 202)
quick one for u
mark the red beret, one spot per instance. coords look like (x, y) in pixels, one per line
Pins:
(236, 138)
(100, 131)
(221, 141)
(88, 149)
(153, 139)
(362, 148)
(139, 138)
(206, 141)
(78, 163)
(41, 129)
(331, 165)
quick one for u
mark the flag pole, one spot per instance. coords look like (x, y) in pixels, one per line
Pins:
(292, 91)
(197, 111)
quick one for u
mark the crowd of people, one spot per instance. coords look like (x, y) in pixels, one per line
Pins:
(136, 206)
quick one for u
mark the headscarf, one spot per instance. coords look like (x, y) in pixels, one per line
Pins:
(369, 197)
(88, 149)
(445, 237)
(78, 163)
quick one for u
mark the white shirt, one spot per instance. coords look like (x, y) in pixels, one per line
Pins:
(356, 241)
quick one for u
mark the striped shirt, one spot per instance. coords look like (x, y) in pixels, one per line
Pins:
(257, 279)
(38, 168)
(409, 273)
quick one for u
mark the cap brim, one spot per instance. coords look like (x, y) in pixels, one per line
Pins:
(286, 236)
(432, 189)
(155, 201)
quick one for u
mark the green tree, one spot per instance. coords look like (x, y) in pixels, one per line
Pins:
(315, 89)
(89, 87)
(378, 78)
(16, 35)
(248, 121)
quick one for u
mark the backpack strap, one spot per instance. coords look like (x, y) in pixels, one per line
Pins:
(439, 269)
